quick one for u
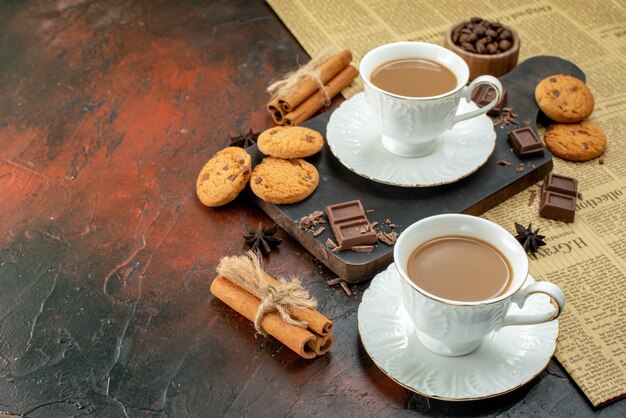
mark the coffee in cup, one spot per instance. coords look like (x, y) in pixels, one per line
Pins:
(455, 323)
(414, 77)
(460, 268)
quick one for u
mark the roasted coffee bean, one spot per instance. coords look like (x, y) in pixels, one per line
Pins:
(504, 45)
(468, 47)
(482, 36)
(506, 34)
(483, 41)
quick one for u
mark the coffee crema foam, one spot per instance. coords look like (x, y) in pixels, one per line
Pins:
(460, 268)
(414, 77)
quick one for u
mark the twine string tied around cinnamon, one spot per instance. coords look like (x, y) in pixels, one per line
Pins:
(246, 271)
(290, 82)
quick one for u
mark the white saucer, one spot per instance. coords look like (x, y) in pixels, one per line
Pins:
(507, 359)
(354, 139)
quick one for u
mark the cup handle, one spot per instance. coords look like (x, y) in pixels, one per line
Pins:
(467, 94)
(522, 318)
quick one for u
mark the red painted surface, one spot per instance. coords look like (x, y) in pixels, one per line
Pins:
(107, 112)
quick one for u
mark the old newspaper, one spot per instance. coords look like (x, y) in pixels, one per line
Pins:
(586, 258)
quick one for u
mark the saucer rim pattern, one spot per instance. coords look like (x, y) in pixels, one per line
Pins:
(529, 280)
(356, 101)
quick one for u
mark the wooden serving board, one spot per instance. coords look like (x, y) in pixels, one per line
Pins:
(475, 194)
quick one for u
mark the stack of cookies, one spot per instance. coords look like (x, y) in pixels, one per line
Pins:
(284, 177)
(569, 102)
(281, 178)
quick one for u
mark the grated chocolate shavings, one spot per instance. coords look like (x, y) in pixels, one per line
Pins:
(506, 118)
(334, 282)
(362, 248)
(531, 198)
(344, 285)
(312, 219)
(332, 246)
(388, 238)
(319, 231)
(580, 196)
(504, 163)
(519, 168)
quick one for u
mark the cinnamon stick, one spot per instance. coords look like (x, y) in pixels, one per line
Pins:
(299, 340)
(316, 101)
(322, 344)
(316, 321)
(276, 111)
(327, 71)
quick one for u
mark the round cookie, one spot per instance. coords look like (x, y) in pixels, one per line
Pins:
(223, 177)
(564, 98)
(575, 142)
(281, 181)
(290, 142)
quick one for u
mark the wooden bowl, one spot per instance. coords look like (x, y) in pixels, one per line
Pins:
(480, 64)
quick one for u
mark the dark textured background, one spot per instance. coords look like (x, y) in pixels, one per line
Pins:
(108, 109)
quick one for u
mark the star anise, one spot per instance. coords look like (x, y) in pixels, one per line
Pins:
(530, 240)
(244, 140)
(262, 240)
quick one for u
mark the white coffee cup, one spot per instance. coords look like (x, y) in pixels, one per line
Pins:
(411, 126)
(455, 328)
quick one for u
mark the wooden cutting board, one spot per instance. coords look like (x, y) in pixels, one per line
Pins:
(475, 194)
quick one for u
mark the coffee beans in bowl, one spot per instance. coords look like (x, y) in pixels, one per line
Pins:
(488, 47)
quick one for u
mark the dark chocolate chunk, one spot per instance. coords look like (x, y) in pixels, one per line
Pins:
(350, 225)
(561, 184)
(483, 95)
(525, 143)
(558, 206)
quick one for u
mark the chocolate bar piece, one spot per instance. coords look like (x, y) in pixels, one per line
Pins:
(561, 184)
(558, 206)
(525, 143)
(350, 225)
(483, 95)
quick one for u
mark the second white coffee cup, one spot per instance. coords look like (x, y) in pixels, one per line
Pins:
(455, 328)
(410, 126)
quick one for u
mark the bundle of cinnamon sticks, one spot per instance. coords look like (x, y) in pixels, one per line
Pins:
(312, 91)
(305, 331)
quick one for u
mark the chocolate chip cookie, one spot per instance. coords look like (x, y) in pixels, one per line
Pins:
(575, 142)
(290, 142)
(281, 181)
(564, 98)
(224, 176)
